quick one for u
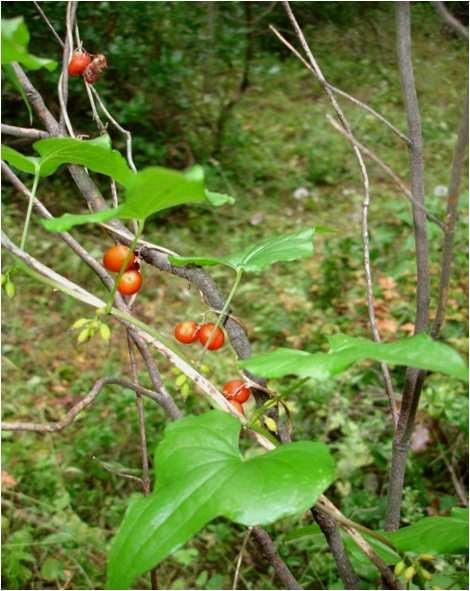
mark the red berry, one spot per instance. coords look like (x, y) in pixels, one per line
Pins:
(216, 340)
(115, 256)
(130, 282)
(79, 62)
(236, 390)
(186, 332)
(238, 406)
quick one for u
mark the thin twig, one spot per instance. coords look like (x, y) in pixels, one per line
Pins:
(451, 219)
(450, 19)
(48, 23)
(111, 470)
(72, 414)
(391, 173)
(365, 208)
(63, 89)
(141, 418)
(24, 132)
(127, 134)
(336, 90)
(246, 537)
(414, 378)
(269, 551)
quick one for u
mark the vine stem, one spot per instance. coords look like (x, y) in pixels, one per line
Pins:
(138, 234)
(30, 209)
(223, 313)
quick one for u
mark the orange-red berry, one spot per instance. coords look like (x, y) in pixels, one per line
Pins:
(130, 282)
(115, 256)
(215, 338)
(187, 331)
(236, 390)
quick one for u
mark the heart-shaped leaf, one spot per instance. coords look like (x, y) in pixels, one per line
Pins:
(419, 351)
(201, 475)
(15, 39)
(256, 258)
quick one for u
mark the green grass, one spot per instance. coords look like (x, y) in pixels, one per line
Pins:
(65, 506)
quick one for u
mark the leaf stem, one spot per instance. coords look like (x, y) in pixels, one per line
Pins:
(30, 209)
(223, 313)
(138, 234)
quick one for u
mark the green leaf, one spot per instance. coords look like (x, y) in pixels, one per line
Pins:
(254, 259)
(434, 535)
(97, 155)
(79, 323)
(69, 220)
(218, 199)
(10, 289)
(201, 476)
(155, 188)
(431, 535)
(105, 331)
(15, 39)
(147, 192)
(28, 164)
(419, 351)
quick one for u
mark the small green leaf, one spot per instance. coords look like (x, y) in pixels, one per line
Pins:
(10, 289)
(185, 390)
(201, 476)
(105, 331)
(180, 380)
(218, 199)
(69, 220)
(256, 258)
(79, 323)
(15, 39)
(83, 336)
(419, 351)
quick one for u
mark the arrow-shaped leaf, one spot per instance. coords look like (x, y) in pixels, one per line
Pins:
(201, 475)
(254, 259)
(419, 351)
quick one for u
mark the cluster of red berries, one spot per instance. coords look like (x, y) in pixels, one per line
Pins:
(208, 334)
(89, 66)
(131, 280)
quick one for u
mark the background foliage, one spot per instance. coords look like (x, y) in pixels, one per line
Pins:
(168, 82)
